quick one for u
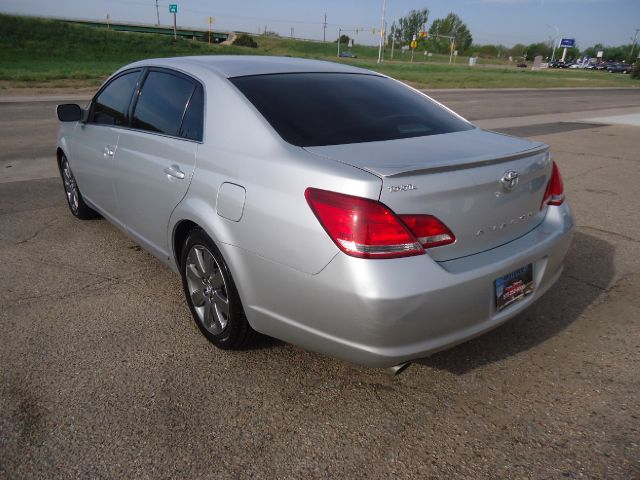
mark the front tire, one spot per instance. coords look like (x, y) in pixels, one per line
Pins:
(76, 203)
(211, 293)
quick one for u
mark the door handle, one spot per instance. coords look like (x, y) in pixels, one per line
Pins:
(174, 171)
(109, 151)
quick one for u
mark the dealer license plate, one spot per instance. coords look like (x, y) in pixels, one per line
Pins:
(514, 287)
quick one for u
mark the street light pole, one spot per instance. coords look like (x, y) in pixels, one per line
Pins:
(158, 13)
(555, 41)
(633, 47)
(382, 32)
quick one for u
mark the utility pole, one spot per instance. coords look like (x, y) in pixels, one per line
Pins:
(633, 46)
(339, 35)
(291, 32)
(324, 28)
(393, 37)
(453, 45)
(382, 26)
(157, 13)
(415, 36)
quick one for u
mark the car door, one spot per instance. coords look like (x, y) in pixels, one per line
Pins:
(95, 141)
(156, 156)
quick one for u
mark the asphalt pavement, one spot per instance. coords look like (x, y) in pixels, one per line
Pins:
(105, 375)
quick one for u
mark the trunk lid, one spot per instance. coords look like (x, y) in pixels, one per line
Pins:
(457, 178)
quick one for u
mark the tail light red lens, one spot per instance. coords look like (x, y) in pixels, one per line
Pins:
(369, 229)
(554, 195)
(429, 231)
(361, 227)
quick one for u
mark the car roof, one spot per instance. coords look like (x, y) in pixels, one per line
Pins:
(230, 66)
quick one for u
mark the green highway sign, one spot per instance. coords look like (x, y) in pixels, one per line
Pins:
(173, 8)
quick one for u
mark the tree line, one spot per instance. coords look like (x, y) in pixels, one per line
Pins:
(545, 49)
(438, 38)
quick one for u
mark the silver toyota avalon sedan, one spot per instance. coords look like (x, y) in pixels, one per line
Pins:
(326, 205)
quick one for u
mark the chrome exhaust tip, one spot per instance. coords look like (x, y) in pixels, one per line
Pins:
(398, 369)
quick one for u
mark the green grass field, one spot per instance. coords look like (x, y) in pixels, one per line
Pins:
(49, 53)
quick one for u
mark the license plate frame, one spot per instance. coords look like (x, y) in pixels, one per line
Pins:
(513, 287)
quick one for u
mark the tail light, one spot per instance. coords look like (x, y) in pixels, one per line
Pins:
(554, 194)
(429, 231)
(365, 228)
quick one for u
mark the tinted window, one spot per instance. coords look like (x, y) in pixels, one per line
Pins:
(312, 109)
(162, 103)
(111, 105)
(192, 123)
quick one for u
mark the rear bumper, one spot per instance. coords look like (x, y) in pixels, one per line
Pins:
(384, 312)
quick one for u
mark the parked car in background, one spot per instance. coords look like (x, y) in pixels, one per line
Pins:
(603, 65)
(348, 55)
(619, 68)
(326, 205)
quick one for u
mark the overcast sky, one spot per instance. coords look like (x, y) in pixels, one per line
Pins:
(611, 22)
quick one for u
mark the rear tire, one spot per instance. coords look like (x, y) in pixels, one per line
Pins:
(212, 295)
(76, 203)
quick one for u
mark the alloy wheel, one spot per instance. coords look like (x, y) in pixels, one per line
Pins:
(207, 289)
(70, 185)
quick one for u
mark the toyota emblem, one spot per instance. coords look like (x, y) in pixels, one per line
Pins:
(510, 180)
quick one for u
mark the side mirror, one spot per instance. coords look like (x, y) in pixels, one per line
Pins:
(69, 112)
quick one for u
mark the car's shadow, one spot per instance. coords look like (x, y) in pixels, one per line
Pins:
(589, 269)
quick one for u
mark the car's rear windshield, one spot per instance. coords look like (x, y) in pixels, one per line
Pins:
(314, 109)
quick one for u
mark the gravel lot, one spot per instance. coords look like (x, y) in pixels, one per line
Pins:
(104, 374)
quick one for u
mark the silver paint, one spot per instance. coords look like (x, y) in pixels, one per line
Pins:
(381, 312)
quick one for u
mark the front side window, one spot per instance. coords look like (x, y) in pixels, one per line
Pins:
(314, 109)
(111, 105)
(162, 103)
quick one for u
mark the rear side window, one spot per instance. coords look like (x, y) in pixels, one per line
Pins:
(314, 109)
(192, 123)
(111, 105)
(162, 103)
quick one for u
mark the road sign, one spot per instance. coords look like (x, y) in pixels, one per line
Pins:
(173, 8)
(414, 44)
(424, 34)
(567, 42)
(600, 54)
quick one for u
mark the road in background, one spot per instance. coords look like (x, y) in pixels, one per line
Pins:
(491, 104)
(104, 373)
(23, 114)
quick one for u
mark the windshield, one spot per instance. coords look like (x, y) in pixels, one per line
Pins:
(315, 109)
